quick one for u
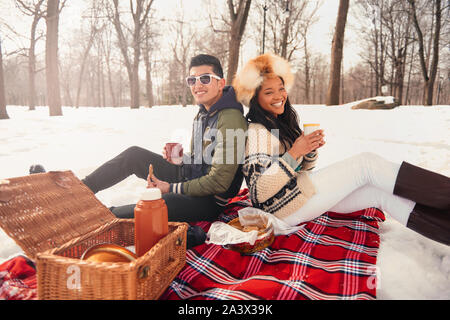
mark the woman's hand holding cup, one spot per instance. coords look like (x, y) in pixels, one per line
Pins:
(307, 142)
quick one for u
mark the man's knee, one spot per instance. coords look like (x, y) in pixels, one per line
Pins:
(134, 151)
(135, 156)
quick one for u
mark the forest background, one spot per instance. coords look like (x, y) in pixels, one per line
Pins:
(136, 53)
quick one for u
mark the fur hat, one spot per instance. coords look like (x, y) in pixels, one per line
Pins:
(256, 70)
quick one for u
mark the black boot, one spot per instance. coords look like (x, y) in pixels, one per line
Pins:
(423, 186)
(123, 212)
(36, 168)
(195, 236)
(431, 222)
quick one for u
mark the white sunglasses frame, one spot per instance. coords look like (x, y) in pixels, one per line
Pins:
(197, 78)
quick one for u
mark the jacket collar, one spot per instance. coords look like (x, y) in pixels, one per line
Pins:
(227, 101)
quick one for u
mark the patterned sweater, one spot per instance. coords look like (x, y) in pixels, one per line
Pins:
(278, 183)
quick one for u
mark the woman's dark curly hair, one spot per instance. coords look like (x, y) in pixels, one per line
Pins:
(286, 123)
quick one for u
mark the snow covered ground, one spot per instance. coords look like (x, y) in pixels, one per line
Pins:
(409, 265)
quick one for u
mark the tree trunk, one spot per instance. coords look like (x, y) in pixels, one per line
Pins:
(51, 59)
(32, 65)
(122, 45)
(435, 60)
(83, 65)
(402, 69)
(102, 83)
(233, 55)
(377, 64)
(134, 89)
(149, 85)
(430, 78)
(342, 96)
(307, 74)
(408, 82)
(32, 9)
(31, 78)
(336, 55)
(99, 82)
(140, 15)
(285, 36)
(134, 85)
(148, 70)
(68, 101)
(371, 82)
(110, 82)
(3, 112)
(238, 22)
(399, 76)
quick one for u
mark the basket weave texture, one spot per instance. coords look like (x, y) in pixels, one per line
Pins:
(54, 218)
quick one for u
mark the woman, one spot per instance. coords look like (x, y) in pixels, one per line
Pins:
(279, 159)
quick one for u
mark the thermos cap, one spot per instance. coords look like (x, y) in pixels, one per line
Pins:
(151, 194)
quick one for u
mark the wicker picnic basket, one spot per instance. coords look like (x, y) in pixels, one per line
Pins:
(54, 218)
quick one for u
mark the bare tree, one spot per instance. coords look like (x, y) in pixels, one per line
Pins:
(293, 19)
(139, 11)
(357, 82)
(51, 57)
(397, 22)
(36, 10)
(303, 31)
(387, 41)
(86, 50)
(100, 75)
(379, 41)
(67, 69)
(3, 112)
(95, 28)
(238, 19)
(428, 73)
(106, 42)
(148, 66)
(336, 54)
(181, 49)
(307, 70)
(215, 40)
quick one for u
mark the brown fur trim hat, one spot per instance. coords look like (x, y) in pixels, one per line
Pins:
(253, 73)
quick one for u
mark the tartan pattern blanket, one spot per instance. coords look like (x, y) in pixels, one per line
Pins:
(331, 257)
(18, 279)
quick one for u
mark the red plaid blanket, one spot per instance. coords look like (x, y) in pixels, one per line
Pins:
(331, 257)
(18, 280)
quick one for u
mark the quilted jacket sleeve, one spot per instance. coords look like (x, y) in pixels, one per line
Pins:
(227, 155)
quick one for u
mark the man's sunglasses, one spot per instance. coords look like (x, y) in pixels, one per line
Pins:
(204, 79)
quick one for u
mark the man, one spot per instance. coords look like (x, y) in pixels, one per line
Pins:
(197, 189)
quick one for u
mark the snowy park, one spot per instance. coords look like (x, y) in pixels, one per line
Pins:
(410, 265)
(83, 81)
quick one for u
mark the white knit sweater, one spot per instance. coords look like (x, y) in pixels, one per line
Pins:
(278, 183)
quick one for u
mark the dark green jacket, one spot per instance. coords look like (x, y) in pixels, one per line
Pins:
(213, 166)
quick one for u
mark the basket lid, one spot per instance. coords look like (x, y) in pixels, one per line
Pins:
(44, 210)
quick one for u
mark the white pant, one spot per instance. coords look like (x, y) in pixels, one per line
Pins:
(362, 181)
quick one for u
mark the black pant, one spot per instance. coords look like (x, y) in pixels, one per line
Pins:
(136, 160)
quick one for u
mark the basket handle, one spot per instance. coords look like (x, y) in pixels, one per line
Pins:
(61, 179)
(143, 271)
